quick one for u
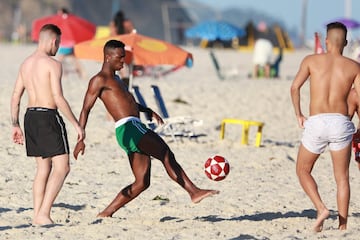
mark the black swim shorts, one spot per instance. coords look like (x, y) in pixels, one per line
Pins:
(45, 133)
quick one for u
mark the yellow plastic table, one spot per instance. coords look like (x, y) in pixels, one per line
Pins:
(246, 124)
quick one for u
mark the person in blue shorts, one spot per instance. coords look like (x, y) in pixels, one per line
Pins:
(66, 51)
(139, 142)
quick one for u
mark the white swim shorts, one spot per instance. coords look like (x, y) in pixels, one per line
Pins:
(263, 50)
(329, 129)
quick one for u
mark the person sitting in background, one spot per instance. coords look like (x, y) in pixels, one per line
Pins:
(121, 25)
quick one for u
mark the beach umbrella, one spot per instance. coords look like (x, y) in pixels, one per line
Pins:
(74, 29)
(141, 50)
(215, 30)
(144, 50)
(348, 22)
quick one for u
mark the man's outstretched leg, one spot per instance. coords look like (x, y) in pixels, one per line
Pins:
(140, 165)
(154, 145)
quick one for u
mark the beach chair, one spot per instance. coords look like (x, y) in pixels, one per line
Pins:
(163, 130)
(179, 126)
(160, 101)
(222, 75)
(216, 65)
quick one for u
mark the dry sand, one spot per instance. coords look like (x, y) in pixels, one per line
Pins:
(260, 199)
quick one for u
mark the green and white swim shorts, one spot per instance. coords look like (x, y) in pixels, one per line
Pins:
(128, 133)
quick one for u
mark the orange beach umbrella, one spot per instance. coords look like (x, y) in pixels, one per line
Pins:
(145, 50)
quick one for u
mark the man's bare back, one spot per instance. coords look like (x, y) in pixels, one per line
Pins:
(330, 83)
(331, 78)
(329, 126)
(35, 72)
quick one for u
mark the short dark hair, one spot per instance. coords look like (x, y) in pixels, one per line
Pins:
(336, 25)
(52, 28)
(112, 44)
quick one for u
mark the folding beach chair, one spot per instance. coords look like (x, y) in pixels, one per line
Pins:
(216, 65)
(182, 126)
(222, 75)
(163, 130)
(140, 99)
(160, 101)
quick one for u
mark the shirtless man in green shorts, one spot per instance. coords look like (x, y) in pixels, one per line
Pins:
(138, 142)
(331, 78)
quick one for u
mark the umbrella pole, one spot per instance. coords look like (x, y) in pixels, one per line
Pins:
(131, 76)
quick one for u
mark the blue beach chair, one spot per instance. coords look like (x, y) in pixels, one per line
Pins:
(179, 126)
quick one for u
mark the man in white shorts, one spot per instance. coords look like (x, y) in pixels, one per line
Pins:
(327, 129)
(329, 123)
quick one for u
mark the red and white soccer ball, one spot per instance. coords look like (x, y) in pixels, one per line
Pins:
(216, 168)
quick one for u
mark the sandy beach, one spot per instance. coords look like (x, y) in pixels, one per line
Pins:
(261, 198)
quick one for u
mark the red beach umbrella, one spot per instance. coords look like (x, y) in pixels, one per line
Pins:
(74, 29)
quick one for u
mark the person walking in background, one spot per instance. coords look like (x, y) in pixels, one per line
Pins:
(67, 51)
(329, 123)
(45, 133)
(139, 142)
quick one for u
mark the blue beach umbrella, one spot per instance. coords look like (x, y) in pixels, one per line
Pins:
(215, 30)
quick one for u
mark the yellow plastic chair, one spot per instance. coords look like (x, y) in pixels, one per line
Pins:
(246, 124)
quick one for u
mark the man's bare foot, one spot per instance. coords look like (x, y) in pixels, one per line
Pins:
(201, 194)
(318, 225)
(342, 227)
(103, 214)
(42, 220)
(342, 222)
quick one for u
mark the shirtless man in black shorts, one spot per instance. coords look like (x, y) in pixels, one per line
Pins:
(139, 142)
(45, 133)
